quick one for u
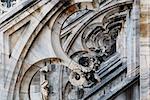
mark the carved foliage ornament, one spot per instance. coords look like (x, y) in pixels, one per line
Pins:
(5, 5)
(94, 44)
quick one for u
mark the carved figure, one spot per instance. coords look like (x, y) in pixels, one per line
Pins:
(44, 83)
(44, 90)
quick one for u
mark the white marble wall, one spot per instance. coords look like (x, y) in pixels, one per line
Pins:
(42, 45)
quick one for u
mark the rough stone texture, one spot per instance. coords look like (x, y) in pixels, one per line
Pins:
(145, 51)
(82, 49)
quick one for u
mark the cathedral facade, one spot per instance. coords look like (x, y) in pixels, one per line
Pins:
(74, 50)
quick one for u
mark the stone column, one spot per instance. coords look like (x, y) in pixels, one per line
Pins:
(133, 39)
(135, 92)
(145, 51)
(1, 65)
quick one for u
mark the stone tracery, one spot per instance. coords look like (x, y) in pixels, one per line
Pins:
(5, 5)
(83, 38)
(98, 40)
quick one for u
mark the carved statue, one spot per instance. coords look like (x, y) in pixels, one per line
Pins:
(44, 83)
(44, 90)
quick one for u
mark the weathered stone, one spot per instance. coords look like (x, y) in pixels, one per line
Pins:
(72, 50)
